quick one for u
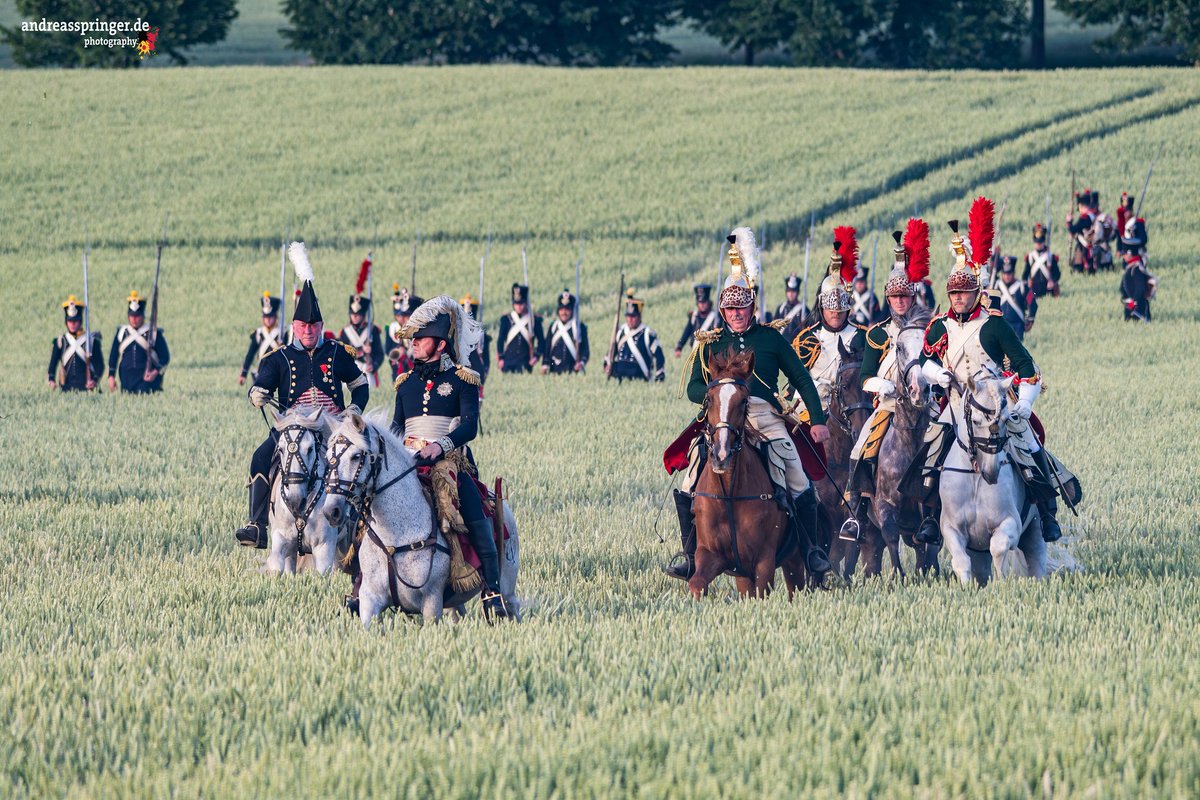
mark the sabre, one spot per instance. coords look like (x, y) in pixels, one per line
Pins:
(1138, 212)
(87, 319)
(720, 261)
(152, 355)
(283, 265)
(282, 279)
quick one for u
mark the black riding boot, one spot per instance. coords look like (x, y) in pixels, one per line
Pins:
(254, 533)
(687, 537)
(804, 517)
(482, 536)
(1048, 505)
(930, 531)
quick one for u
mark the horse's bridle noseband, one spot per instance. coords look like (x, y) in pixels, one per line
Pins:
(308, 477)
(738, 432)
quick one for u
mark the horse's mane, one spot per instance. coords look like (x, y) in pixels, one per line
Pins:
(378, 422)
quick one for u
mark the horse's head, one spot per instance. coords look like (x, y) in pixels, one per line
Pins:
(984, 413)
(725, 406)
(849, 406)
(352, 464)
(912, 386)
(299, 449)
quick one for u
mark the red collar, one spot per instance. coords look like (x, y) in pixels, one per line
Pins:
(970, 315)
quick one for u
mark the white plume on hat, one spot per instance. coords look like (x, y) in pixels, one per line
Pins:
(466, 332)
(748, 250)
(299, 258)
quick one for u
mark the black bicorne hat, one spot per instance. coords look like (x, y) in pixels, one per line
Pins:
(791, 283)
(358, 304)
(438, 329)
(520, 294)
(566, 300)
(703, 292)
(270, 305)
(72, 309)
(307, 307)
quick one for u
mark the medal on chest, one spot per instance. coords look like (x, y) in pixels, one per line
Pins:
(425, 396)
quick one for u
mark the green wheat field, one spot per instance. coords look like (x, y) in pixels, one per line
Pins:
(143, 654)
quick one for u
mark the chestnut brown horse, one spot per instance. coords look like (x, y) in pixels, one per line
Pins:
(739, 526)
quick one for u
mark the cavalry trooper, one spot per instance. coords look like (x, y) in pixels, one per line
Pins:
(566, 349)
(968, 337)
(130, 354)
(76, 362)
(402, 307)
(1015, 299)
(1041, 272)
(1081, 234)
(879, 373)
(310, 371)
(521, 338)
(639, 356)
(864, 305)
(822, 345)
(791, 310)
(437, 415)
(772, 356)
(1137, 284)
(265, 337)
(702, 318)
(480, 357)
(366, 341)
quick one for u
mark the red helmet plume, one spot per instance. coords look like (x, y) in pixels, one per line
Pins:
(364, 270)
(981, 230)
(847, 248)
(916, 242)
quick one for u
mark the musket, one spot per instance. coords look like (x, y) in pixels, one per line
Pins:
(87, 319)
(1138, 212)
(762, 284)
(871, 296)
(487, 249)
(807, 248)
(412, 280)
(152, 354)
(575, 311)
(524, 260)
(994, 267)
(612, 342)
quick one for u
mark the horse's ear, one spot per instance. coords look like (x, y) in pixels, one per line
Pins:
(276, 417)
(314, 416)
(357, 421)
(1007, 383)
(971, 382)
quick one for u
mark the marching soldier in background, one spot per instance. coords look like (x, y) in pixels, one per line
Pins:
(822, 345)
(1137, 284)
(864, 305)
(566, 349)
(521, 338)
(480, 358)
(1016, 300)
(308, 372)
(791, 310)
(639, 356)
(702, 318)
(130, 354)
(398, 347)
(1104, 232)
(367, 343)
(265, 337)
(1124, 213)
(1081, 234)
(72, 369)
(1041, 273)
(925, 296)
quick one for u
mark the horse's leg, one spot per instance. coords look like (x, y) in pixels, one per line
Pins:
(745, 587)
(708, 567)
(889, 532)
(1004, 540)
(1034, 547)
(431, 606)
(793, 574)
(764, 575)
(956, 543)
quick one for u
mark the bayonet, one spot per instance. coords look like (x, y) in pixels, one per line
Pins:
(87, 309)
(575, 311)
(412, 280)
(1138, 212)
(152, 354)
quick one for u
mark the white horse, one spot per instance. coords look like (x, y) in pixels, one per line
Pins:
(982, 496)
(403, 557)
(296, 491)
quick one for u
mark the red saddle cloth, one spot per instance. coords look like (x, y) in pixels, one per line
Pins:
(489, 512)
(812, 455)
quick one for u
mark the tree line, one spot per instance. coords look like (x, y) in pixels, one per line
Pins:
(894, 34)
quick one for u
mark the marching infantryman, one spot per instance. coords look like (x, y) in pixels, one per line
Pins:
(75, 362)
(968, 337)
(308, 372)
(1081, 234)
(402, 308)
(702, 318)
(1124, 213)
(265, 337)
(437, 415)
(367, 342)
(639, 356)
(791, 310)
(1104, 232)
(879, 372)
(864, 305)
(521, 338)
(130, 354)
(1041, 266)
(925, 297)
(566, 350)
(822, 345)
(1016, 300)
(480, 357)
(772, 356)
(1137, 284)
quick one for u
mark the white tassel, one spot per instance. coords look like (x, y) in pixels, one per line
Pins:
(299, 258)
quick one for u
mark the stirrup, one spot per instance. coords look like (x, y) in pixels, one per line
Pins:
(851, 530)
(681, 566)
(251, 535)
(494, 607)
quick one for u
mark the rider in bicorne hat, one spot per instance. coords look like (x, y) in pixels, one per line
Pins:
(772, 355)
(308, 372)
(71, 368)
(437, 415)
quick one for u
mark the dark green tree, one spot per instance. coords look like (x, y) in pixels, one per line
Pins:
(180, 24)
(948, 34)
(828, 33)
(751, 26)
(1142, 22)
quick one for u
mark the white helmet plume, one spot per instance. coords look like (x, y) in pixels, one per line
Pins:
(747, 249)
(299, 258)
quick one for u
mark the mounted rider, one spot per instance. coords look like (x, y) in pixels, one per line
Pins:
(437, 415)
(967, 338)
(791, 310)
(772, 355)
(823, 345)
(1041, 272)
(308, 372)
(701, 318)
(880, 374)
(265, 337)
(76, 363)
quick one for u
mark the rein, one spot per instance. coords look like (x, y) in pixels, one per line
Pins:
(988, 445)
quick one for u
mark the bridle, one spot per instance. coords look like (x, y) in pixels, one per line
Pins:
(991, 444)
(309, 477)
(837, 396)
(739, 432)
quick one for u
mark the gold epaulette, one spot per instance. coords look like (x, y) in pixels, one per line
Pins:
(401, 378)
(708, 337)
(807, 350)
(468, 375)
(353, 353)
(778, 324)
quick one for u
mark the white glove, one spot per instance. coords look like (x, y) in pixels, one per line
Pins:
(936, 373)
(1026, 394)
(880, 386)
(259, 396)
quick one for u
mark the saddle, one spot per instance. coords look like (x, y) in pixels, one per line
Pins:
(440, 482)
(675, 457)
